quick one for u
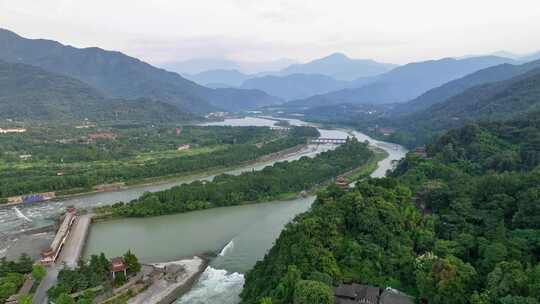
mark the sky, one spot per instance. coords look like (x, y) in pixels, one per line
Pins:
(399, 31)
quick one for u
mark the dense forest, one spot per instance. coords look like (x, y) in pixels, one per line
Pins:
(13, 274)
(74, 163)
(30, 93)
(95, 272)
(458, 226)
(270, 183)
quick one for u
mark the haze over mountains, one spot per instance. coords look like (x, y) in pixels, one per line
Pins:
(500, 92)
(405, 82)
(357, 85)
(490, 101)
(340, 67)
(295, 86)
(196, 66)
(330, 73)
(118, 75)
(447, 90)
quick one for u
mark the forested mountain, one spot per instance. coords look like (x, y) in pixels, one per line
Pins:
(405, 82)
(458, 226)
(113, 73)
(340, 67)
(28, 92)
(295, 86)
(492, 101)
(447, 90)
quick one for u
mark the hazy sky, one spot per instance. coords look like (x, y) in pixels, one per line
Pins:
(397, 31)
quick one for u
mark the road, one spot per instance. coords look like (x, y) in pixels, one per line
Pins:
(68, 257)
(74, 244)
(40, 297)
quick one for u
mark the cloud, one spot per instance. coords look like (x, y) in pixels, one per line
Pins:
(262, 30)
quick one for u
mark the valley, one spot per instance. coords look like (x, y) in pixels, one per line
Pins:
(272, 153)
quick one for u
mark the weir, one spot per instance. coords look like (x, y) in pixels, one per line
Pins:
(21, 215)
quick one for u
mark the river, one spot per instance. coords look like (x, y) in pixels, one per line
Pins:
(223, 280)
(42, 214)
(239, 235)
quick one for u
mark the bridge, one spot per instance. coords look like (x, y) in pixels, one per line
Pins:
(323, 140)
(277, 128)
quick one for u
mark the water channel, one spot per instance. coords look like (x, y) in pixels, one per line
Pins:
(239, 235)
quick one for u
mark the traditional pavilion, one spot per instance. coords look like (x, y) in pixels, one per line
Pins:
(118, 265)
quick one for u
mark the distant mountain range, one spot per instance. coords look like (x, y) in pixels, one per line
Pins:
(31, 93)
(295, 86)
(404, 82)
(500, 92)
(219, 78)
(520, 58)
(200, 65)
(340, 67)
(118, 75)
(297, 81)
(454, 87)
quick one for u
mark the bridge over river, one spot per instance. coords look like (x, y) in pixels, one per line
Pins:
(323, 141)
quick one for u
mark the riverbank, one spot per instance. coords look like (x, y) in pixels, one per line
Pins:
(156, 181)
(280, 181)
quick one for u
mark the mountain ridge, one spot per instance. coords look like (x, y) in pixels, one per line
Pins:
(442, 93)
(112, 72)
(340, 67)
(404, 83)
(32, 93)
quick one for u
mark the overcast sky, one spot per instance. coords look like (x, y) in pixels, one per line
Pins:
(397, 31)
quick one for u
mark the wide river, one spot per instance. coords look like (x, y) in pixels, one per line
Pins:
(239, 235)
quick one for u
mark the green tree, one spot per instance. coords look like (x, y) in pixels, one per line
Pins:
(534, 282)
(38, 272)
(64, 298)
(26, 299)
(6, 290)
(447, 280)
(285, 289)
(119, 279)
(132, 262)
(312, 292)
(266, 300)
(508, 278)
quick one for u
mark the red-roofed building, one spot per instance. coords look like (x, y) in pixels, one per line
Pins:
(118, 265)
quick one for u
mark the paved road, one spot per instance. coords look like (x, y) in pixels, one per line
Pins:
(75, 243)
(40, 297)
(68, 257)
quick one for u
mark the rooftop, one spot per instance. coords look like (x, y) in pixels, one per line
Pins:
(117, 264)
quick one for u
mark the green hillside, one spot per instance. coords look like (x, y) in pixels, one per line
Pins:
(488, 102)
(116, 74)
(31, 93)
(460, 226)
(440, 94)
